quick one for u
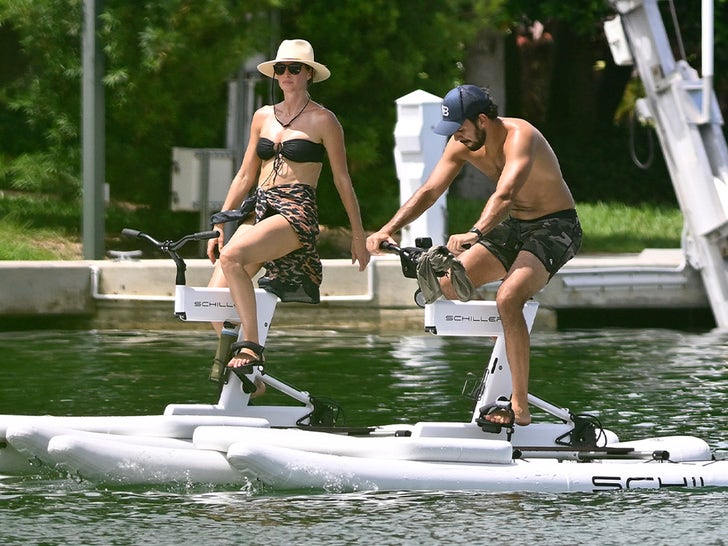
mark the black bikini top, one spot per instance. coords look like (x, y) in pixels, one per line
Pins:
(299, 150)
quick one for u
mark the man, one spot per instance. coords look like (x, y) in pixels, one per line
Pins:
(528, 228)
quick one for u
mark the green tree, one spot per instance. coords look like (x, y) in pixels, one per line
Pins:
(168, 63)
(379, 51)
(167, 66)
(40, 95)
(591, 100)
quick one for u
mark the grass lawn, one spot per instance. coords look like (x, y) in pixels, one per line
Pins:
(608, 227)
(42, 228)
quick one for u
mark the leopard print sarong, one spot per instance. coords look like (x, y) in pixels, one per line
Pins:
(295, 276)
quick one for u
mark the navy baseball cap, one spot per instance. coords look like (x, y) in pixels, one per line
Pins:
(461, 103)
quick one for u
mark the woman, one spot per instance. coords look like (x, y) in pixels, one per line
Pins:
(284, 158)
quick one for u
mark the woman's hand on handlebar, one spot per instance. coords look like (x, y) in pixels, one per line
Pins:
(216, 242)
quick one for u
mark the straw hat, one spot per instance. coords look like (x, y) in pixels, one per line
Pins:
(292, 51)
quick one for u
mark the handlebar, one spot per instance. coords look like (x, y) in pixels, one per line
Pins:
(166, 246)
(171, 247)
(408, 256)
(391, 247)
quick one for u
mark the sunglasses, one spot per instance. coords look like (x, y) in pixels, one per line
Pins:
(293, 68)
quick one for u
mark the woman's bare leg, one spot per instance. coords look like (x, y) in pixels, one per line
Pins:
(269, 239)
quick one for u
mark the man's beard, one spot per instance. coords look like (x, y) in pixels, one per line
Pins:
(479, 141)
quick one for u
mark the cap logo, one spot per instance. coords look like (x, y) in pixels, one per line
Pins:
(445, 111)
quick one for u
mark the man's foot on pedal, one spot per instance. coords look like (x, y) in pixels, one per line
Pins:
(506, 416)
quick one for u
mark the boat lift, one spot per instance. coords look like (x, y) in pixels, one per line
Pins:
(684, 111)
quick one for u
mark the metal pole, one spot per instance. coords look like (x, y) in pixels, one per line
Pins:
(204, 192)
(93, 139)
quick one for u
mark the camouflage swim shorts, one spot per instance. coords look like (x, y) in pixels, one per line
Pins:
(554, 239)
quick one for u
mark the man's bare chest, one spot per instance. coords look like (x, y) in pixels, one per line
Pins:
(490, 166)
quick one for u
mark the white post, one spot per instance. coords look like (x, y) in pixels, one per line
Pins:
(706, 53)
(417, 150)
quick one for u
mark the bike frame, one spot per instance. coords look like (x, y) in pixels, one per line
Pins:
(443, 317)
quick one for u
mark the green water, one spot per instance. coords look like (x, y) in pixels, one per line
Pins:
(639, 383)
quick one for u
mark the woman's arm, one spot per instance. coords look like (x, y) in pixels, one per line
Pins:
(333, 140)
(243, 181)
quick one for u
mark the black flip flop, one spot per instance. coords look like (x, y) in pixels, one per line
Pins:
(243, 371)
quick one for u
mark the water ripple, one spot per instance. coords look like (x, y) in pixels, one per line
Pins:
(638, 382)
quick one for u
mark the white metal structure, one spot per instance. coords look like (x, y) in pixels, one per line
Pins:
(685, 113)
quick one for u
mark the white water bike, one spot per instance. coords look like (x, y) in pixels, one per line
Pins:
(300, 445)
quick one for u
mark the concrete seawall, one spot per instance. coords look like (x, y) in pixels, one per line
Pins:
(139, 294)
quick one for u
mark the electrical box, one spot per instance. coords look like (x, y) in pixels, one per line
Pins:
(198, 172)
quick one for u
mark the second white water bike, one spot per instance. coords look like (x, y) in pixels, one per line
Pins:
(299, 445)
